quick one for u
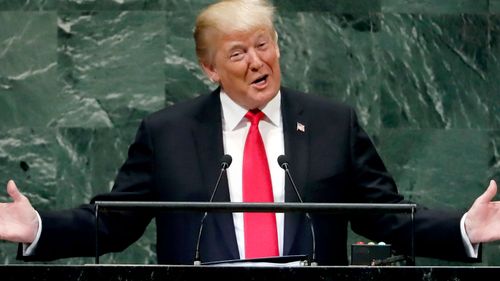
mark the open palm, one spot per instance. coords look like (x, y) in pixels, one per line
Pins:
(18, 219)
(483, 218)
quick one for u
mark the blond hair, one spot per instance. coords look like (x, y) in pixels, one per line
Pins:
(229, 16)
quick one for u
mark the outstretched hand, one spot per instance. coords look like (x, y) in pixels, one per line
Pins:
(483, 218)
(18, 219)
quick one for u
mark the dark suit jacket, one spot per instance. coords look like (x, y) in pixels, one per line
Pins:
(175, 157)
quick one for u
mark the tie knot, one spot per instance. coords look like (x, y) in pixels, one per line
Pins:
(254, 116)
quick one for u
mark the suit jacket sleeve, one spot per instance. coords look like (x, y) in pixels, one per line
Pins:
(71, 233)
(437, 232)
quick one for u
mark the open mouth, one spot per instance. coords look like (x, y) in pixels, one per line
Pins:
(261, 79)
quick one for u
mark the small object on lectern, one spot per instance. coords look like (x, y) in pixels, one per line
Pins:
(368, 254)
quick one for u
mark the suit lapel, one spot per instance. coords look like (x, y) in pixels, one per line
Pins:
(209, 143)
(296, 148)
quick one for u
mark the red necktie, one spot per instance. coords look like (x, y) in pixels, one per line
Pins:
(261, 238)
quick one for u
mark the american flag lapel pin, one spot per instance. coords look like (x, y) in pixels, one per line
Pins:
(301, 127)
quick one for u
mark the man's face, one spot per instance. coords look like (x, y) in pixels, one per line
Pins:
(246, 65)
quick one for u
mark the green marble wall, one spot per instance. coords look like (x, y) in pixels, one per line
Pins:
(76, 76)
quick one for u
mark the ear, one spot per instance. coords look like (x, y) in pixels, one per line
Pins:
(210, 71)
(276, 44)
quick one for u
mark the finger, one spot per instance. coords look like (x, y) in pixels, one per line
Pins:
(490, 192)
(14, 191)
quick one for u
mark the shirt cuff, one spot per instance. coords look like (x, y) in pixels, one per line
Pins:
(29, 249)
(471, 250)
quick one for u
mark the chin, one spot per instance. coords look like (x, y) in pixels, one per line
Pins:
(264, 98)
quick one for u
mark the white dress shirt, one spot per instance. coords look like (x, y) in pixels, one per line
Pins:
(234, 129)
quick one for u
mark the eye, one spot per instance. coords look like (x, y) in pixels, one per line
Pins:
(262, 45)
(236, 55)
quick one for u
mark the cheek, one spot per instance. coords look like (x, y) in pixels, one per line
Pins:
(236, 70)
(272, 60)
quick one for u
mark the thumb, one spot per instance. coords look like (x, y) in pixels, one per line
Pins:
(13, 191)
(488, 195)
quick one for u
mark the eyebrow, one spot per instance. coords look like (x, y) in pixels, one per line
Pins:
(238, 44)
(235, 45)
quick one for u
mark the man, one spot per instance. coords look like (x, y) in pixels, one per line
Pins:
(175, 157)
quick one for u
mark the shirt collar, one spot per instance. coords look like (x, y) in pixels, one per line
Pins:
(233, 113)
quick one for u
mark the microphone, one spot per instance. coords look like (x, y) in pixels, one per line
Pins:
(283, 162)
(225, 162)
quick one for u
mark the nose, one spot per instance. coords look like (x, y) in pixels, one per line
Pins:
(254, 60)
